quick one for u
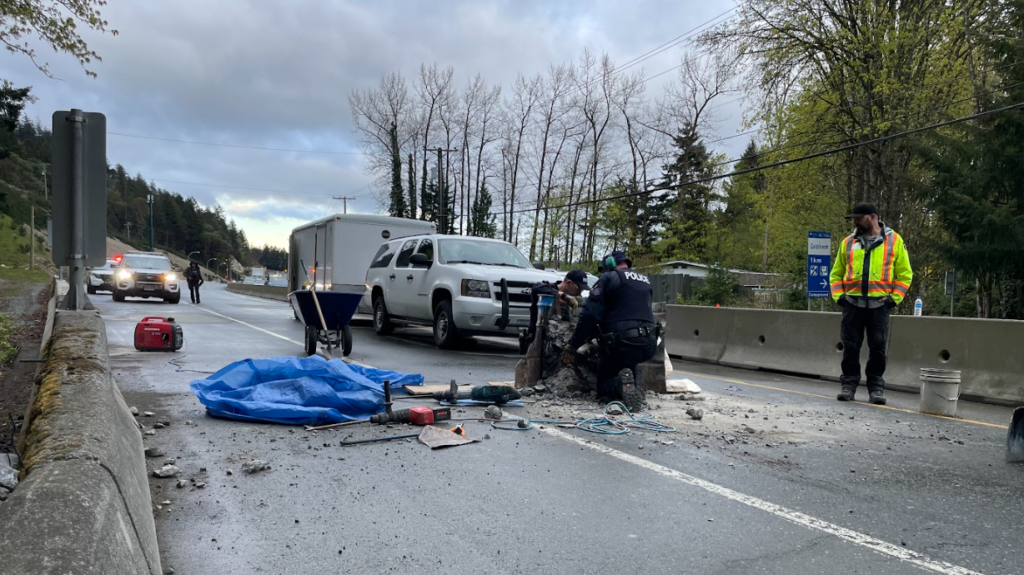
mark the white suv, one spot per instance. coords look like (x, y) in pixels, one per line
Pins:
(452, 283)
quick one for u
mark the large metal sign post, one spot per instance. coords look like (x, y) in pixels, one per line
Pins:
(819, 263)
(79, 183)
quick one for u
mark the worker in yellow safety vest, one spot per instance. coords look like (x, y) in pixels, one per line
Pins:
(870, 277)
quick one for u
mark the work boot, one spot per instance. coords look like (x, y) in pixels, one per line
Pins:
(875, 396)
(632, 394)
(846, 393)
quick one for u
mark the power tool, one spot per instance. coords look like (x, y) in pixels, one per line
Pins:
(499, 394)
(418, 415)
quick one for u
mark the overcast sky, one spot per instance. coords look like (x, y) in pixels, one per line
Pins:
(277, 74)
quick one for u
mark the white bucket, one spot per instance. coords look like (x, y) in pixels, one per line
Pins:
(940, 390)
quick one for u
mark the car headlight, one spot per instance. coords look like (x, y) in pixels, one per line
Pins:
(171, 277)
(124, 275)
(475, 288)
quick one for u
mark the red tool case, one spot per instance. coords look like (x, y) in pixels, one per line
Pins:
(158, 334)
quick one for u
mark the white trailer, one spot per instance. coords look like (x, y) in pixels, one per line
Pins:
(335, 252)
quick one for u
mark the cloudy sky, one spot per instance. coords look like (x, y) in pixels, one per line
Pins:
(277, 74)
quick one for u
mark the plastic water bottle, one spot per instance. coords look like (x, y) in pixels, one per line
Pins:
(918, 306)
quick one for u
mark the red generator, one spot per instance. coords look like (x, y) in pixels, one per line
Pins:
(158, 334)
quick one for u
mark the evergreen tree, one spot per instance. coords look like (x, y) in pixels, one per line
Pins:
(690, 217)
(482, 221)
(975, 190)
(397, 207)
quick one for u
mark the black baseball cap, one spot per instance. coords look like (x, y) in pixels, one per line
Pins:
(862, 209)
(578, 277)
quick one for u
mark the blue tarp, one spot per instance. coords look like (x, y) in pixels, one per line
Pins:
(293, 390)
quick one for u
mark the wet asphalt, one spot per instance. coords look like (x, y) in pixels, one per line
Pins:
(778, 477)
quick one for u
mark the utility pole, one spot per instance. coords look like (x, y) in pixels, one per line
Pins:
(442, 218)
(149, 198)
(46, 195)
(344, 202)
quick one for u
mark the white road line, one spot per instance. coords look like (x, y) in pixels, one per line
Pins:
(259, 329)
(268, 332)
(801, 519)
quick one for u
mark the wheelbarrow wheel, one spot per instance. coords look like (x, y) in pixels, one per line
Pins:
(311, 338)
(346, 342)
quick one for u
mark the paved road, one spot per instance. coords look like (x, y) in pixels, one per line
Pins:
(777, 478)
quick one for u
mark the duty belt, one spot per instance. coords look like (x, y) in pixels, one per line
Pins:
(641, 331)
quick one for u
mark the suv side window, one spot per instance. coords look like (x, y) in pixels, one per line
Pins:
(405, 254)
(427, 248)
(384, 256)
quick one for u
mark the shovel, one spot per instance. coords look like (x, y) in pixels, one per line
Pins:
(1015, 437)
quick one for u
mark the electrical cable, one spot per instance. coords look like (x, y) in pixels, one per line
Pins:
(608, 425)
(178, 368)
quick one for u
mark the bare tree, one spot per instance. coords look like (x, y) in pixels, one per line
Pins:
(374, 112)
(434, 90)
(549, 112)
(517, 113)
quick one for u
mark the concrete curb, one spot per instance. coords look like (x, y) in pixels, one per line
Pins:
(83, 505)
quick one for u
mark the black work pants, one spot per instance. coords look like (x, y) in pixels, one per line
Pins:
(193, 291)
(625, 353)
(856, 322)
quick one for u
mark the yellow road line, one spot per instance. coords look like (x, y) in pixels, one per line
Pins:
(739, 382)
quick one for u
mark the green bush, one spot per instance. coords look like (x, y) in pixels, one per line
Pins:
(720, 288)
(7, 350)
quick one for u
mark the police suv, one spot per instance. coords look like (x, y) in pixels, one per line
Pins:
(146, 275)
(460, 286)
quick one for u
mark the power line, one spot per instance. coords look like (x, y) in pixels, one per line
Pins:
(654, 52)
(207, 185)
(781, 148)
(880, 98)
(219, 145)
(781, 163)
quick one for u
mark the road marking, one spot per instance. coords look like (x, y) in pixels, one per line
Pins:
(268, 332)
(829, 397)
(802, 519)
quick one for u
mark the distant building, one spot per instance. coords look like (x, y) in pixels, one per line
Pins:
(745, 278)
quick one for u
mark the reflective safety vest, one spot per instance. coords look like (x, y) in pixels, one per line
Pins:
(879, 270)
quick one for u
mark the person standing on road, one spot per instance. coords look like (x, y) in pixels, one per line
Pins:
(619, 308)
(574, 284)
(870, 277)
(194, 276)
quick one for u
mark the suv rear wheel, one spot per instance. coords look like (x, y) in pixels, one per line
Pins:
(446, 335)
(381, 318)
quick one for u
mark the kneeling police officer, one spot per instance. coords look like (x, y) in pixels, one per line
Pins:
(619, 312)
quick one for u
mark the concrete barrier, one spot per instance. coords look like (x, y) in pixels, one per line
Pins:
(807, 343)
(266, 292)
(698, 333)
(986, 351)
(83, 504)
(790, 341)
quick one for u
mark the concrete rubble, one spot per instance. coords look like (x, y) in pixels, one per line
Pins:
(255, 466)
(8, 476)
(166, 471)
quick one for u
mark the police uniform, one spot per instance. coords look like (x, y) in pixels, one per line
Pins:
(620, 304)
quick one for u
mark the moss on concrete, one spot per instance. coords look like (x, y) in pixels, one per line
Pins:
(70, 356)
